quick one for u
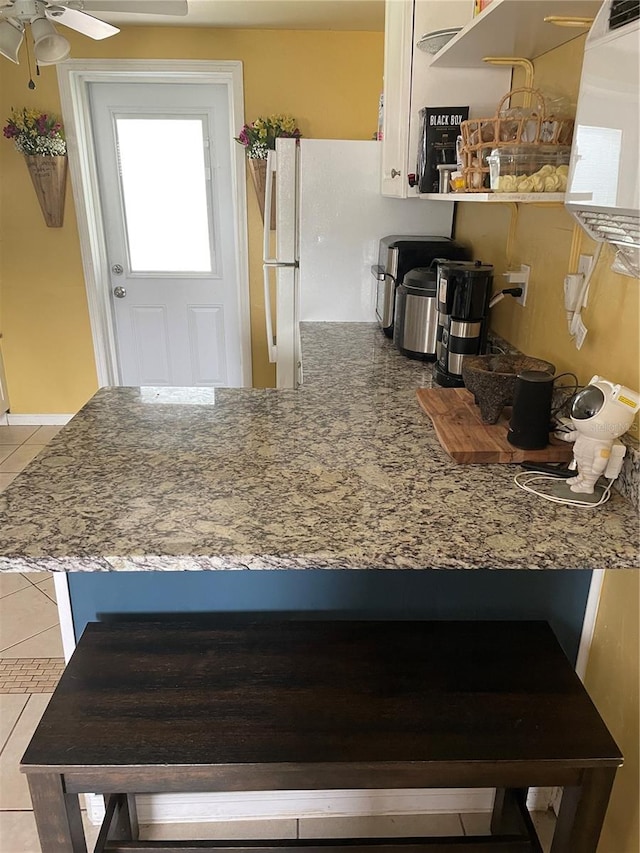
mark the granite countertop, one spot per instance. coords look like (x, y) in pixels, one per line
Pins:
(344, 473)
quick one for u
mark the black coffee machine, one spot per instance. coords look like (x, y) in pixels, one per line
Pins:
(464, 290)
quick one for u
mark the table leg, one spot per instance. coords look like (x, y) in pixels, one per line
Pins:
(132, 811)
(582, 812)
(124, 826)
(504, 817)
(57, 814)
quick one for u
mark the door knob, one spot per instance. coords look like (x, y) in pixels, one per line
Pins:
(395, 173)
(119, 292)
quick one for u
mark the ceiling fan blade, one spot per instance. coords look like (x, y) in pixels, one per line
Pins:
(82, 23)
(144, 7)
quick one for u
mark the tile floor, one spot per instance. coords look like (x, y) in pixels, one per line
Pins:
(31, 659)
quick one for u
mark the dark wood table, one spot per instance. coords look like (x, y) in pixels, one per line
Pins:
(251, 704)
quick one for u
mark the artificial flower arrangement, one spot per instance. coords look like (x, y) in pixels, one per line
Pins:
(35, 132)
(260, 136)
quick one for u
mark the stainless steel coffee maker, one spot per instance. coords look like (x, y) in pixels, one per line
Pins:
(464, 290)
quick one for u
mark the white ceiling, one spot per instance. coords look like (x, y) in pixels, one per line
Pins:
(365, 15)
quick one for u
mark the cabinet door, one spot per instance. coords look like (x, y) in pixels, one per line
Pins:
(398, 57)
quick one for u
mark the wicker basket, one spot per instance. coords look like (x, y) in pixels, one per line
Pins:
(480, 136)
(49, 179)
(258, 172)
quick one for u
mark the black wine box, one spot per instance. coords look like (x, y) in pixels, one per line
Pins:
(439, 129)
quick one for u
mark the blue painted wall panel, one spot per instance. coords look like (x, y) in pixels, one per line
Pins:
(556, 596)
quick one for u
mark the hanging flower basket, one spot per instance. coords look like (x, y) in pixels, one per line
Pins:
(40, 138)
(49, 179)
(258, 138)
(258, 172)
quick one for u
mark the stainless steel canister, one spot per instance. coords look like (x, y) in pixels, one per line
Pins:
(416, 321)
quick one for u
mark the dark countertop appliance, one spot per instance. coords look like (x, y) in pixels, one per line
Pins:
(397, 255)
(464, 290)
(415, 325)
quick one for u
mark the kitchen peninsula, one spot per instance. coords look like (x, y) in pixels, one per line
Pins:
(345, 474)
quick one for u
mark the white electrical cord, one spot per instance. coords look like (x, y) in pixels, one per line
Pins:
(524, 481)
(508, 291)
(574, 316)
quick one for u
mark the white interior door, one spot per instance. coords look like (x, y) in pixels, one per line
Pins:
(167, 198)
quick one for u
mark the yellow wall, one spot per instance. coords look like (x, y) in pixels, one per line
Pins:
(612, 681)
(330, 81)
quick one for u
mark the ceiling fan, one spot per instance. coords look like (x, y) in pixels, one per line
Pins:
(49, 46)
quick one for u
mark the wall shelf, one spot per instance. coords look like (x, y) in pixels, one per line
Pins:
(524, 198)
(513, 28)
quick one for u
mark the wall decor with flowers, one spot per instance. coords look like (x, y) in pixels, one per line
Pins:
(39, 137)
(258, 138)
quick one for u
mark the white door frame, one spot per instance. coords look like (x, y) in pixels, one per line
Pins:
(74, 77)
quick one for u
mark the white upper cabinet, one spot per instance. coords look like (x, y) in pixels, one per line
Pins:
(411, 82)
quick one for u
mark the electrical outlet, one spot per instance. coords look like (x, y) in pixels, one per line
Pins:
(572, 290)
(524, 284)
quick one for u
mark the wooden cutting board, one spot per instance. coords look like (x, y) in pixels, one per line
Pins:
(464, 436)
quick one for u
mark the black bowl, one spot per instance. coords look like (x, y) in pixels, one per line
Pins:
(492, 380)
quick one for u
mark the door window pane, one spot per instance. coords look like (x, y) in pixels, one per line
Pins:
(164, 188)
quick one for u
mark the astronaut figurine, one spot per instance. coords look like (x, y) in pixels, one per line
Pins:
(600, 413)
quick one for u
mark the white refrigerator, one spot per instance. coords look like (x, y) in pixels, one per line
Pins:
(329, 218)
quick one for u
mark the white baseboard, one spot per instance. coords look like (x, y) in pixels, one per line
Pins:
(37, 420)
(279, 805)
